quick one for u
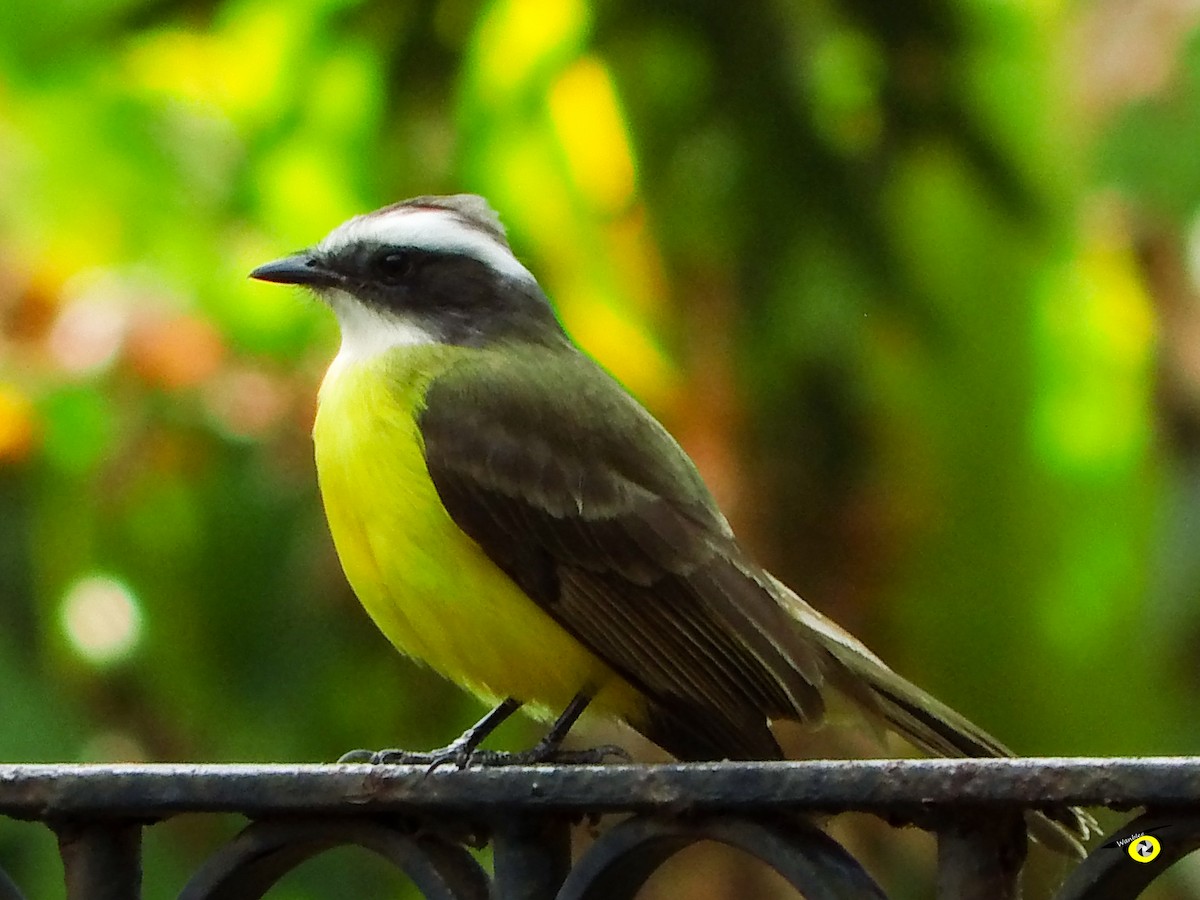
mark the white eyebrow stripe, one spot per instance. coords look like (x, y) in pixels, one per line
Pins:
(424, 228)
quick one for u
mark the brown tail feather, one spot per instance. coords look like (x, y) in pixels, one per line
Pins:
(922, 719)
(939, 730)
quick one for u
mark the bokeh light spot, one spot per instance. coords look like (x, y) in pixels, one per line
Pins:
(246, 403)
(88, 331)
(591, 129)
(1097, 340)
(175, 352)
(101, 618)
(517, 36)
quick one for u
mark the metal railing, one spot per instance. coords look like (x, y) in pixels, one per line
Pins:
(424, 824)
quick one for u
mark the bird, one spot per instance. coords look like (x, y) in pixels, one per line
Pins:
(509, 515)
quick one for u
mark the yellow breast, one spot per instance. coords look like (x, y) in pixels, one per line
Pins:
(430, 588)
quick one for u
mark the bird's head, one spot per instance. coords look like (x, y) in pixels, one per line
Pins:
(426, 270)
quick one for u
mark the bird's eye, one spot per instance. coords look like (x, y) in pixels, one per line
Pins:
(394, 265)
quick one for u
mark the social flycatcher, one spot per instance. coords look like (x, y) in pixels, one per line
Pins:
(511, 517)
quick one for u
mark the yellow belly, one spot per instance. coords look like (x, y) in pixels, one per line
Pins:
(431, 589)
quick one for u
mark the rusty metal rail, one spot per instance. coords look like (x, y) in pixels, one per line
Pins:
(423, 824)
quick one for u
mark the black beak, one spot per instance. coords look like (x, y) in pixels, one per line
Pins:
(303, 268)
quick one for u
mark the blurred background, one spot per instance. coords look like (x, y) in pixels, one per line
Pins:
(918, 286)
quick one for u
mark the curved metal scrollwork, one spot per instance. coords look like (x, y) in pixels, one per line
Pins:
(247, 867)
(620, 862)
(974, 807)
(1123, 866)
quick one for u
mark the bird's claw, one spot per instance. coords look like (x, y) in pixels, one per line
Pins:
(543, 755)
(593, 756)
(357, 756)
(464, 756)
(460, 754)
(389, 757)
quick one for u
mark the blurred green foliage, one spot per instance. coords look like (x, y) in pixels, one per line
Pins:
(917, 285)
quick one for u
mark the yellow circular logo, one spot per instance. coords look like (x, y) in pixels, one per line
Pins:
(1144, 849)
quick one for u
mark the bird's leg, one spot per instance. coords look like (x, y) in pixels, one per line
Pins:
(552, 740)
(458, 751)
(465, 750)
(549, 748)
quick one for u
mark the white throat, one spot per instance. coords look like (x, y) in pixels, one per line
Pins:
(367, 334)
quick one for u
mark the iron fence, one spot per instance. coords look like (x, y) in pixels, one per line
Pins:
(424, 824)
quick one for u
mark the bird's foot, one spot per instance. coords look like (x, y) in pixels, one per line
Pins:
(462, 755)
(540, 755)
(459, 752)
